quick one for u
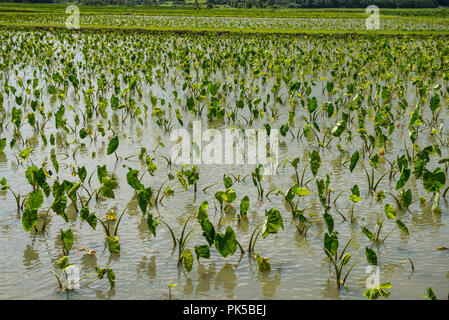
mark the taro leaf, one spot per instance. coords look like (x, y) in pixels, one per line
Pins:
(272, 222)
(315, 162)
(339, 128)
(2, 144)
(220, 195)
(263, 263)
(113, 244)
(406, 198)
(378, 291)
(371, 256)
(244, 206)
(187, 259)
(35, 200)
(402, 226)
(25, 153)
(354, 198)
(132, 179)
(82, 173)
(430, 295)
(434, 103)
(202, 213)
(330, 244)
(434, 181)
(113, 145)
(312, 105)
(55, 162)
(182, 181)
(390, 212)
(374, 161)
(108, 186)
(59, 205)
(143, 199)
(102, 172)
(67, 239)
(90, 218)
(152, 224)
(72, 191)
(111, 277)
(202, 251)
(368, 233)
(29, 219)
(230, 195)
(226, 244)
(208, 231)
(83, 133)
(227, 181)
(63, 263)
(355, 190)
(354, 159)
(284, 129)
(329, 222)
(405, 175)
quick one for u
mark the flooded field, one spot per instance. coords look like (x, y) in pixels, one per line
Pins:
(86, 121)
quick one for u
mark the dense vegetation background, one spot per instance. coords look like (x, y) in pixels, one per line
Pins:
(266, 3)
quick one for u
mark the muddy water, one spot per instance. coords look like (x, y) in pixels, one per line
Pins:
(145, 265)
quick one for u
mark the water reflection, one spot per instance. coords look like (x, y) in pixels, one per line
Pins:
(227, 279)
(30, 256)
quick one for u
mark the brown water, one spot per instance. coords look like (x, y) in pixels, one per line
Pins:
(145, 265)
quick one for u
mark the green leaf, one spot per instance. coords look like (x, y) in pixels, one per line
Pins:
(406, 198)
(111, 277)
(152, 224)
(315, 162)
(113, 244)
(226, 244)
(208, 231)
(390, 211)
(354, 159)
(187, 260)
(371, 256)
(202, 213)
(82, 173)
(67, 239)
(405, 175)
(113, 145)
(90, 218)
(25, 153)
(143, 199)
(29, 219)
(227, 181)
(272, 223)
(263, 263)
(59, 205)
(434, 103)
(202, 251)
(374, 161)
(430, 295)
(339, 128)
(102, 172)
(330, 244)
(230, 195)
(329, 222)
(35, 200)
(132, 179)
(369, 234)
(402, 226)
(63, 263)
(244, 206)
(434, 181)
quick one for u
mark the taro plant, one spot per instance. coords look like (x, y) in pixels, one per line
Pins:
(66, 281)
(377, 289)
(338, 260)
(391, 214)
(273, 221)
